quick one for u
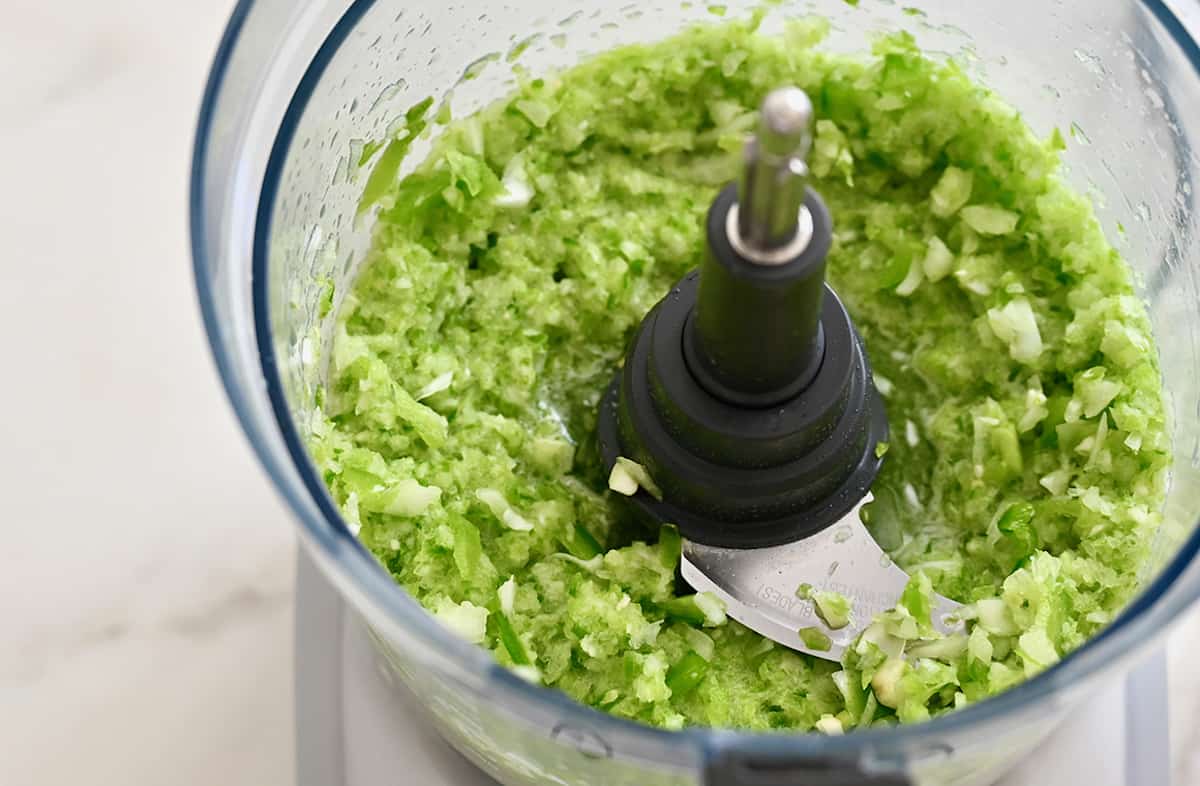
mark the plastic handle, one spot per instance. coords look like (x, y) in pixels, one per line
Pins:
(736, 769)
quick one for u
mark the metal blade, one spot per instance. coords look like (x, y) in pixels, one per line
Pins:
(759, 585)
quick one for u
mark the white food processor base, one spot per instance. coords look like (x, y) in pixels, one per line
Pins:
(356, 727)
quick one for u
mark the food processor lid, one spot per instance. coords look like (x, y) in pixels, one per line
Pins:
(221, 250)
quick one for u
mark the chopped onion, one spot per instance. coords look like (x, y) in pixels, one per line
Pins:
(829, 725)
(500, 508)
(507, 593)
(1015, 325)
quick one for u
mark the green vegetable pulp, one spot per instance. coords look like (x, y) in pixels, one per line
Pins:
(1027, 456)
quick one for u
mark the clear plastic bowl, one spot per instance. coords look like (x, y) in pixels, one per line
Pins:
(273, 217)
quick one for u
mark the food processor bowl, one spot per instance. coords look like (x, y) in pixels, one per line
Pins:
(298, 87)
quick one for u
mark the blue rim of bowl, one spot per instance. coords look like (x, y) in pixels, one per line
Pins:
(349, 555)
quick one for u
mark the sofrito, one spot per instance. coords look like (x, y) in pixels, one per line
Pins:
(1028, 455)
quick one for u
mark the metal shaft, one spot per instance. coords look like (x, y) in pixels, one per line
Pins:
(757, 325)
(771, 190)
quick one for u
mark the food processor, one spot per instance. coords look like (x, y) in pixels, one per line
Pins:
(298, 89)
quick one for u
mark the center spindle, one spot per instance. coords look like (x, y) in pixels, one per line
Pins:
(756, 338)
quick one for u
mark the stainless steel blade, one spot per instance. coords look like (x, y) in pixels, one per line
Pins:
(759, 585)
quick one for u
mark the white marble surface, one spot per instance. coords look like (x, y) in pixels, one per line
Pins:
(145, 578)
(146, 568)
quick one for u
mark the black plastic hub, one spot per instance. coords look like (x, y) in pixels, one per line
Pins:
(748, 397)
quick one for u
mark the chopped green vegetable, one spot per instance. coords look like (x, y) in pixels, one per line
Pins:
(989, 219)
(939, 260)
(468, 552)
(437, 385)
(507, 595)
(828, 724)
(326, 303)
(536, 112)
(949, 649)
(701, 642)
(684, 676)
(912, 279)
(699, 609)
(383, 175)
(1016, 525)
(586, 545)
(508, 270)
(952, 191)
(1015, 325)
(628, 476)
(885, 683)
(670, 546)
(992, 615)
(508, 637)
(552, 456)
(504, 512)
(815, 639)
(622, 481)
(833, 608)
(1095, 392)
(369, 149)
(404, 497)
(476, 68)
(520, 47)
(465, 619)
(712, 607)
(917, 600)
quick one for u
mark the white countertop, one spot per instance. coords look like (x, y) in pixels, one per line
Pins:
(146, 573)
